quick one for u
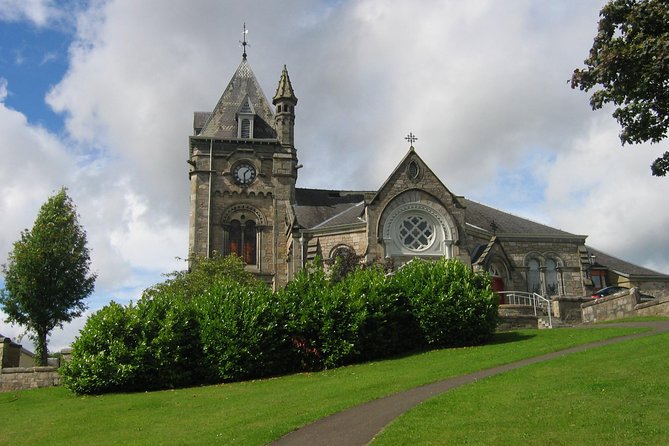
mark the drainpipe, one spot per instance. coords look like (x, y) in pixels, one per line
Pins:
(211, 179)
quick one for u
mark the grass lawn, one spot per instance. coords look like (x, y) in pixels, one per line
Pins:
(636, 319)
(614, 395)
(254, 413)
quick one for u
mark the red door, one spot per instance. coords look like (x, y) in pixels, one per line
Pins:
(497, 286)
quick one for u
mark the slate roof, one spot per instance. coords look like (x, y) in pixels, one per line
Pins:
(222, 122)
(621, 266)
(320, 208)
(496, 221)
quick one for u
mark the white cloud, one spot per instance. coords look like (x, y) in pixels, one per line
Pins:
(39, 12)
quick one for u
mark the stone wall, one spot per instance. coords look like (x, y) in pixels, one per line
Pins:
(568, 309)
(658, 307)
(564, 249)
(21, 378)
(624, 304)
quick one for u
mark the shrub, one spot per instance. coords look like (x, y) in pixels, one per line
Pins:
(323, 319)
(302, 300)
(102, 358)
(217, 323)
(241, 331)
(387, 327)
(452, 304)
(153, 345)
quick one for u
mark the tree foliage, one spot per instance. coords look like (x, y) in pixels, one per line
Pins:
(47, 274)
(628, 65)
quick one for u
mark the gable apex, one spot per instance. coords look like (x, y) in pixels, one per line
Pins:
(415, 172)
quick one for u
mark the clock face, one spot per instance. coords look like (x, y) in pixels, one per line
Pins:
(244, 173)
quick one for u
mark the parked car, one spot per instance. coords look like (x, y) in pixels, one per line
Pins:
(609, 290)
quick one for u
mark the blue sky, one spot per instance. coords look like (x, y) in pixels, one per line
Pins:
(98, 96)
(32, 60)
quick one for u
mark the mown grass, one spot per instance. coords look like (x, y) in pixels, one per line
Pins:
(614, 395)
(636, 319)
(255, 413)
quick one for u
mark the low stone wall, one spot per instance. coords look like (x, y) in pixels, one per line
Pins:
(625, 304)
(659, 307)
(567, 309)
(19, 378)
(514, 317)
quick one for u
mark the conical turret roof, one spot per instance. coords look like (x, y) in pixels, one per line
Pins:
(222, 122)
(285, 89)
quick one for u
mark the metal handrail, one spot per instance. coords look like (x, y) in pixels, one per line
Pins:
(527, 298)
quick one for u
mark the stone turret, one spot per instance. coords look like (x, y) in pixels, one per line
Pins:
(284, 118)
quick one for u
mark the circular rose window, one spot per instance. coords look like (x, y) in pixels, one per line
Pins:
(416, 232)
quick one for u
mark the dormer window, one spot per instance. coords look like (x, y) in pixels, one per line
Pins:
(245, 118)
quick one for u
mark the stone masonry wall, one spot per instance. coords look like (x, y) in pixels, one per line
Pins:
(20, 378)
(625, 304)
(564, 250)
(356, 240)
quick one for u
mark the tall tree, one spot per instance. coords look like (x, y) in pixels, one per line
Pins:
(47, 274)
(629, 63)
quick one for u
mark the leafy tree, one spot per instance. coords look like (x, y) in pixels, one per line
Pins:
(203, 273)
(47, 273)
(629, 63)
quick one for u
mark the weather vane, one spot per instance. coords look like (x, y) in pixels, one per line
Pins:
(244, 42)
(411, 138)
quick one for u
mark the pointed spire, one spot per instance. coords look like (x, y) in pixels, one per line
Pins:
(242, 89)
(285, 89)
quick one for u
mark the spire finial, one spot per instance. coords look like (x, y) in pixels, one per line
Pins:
(411, 138)
(244, 42)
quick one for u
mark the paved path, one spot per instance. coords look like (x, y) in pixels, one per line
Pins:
(358, 426)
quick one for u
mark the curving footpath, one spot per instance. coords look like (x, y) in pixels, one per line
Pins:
(358, 426)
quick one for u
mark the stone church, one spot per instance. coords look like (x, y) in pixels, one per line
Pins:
(244, 200)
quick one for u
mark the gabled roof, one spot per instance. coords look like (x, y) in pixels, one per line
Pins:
(622, 267)
(222, 122)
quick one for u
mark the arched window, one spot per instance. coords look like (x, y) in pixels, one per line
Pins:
(249, 242)
(242, 240)
(551, 275)
(235, 238)
(533, 276)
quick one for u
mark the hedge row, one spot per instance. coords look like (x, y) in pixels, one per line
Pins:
(218, 324)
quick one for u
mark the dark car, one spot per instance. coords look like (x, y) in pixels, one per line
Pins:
(609, 290)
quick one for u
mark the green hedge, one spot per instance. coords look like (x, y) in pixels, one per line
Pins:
(217, 324)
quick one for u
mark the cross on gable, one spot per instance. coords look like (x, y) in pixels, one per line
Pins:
(411, 138)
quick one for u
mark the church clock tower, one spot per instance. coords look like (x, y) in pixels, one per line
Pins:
(243, 169)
